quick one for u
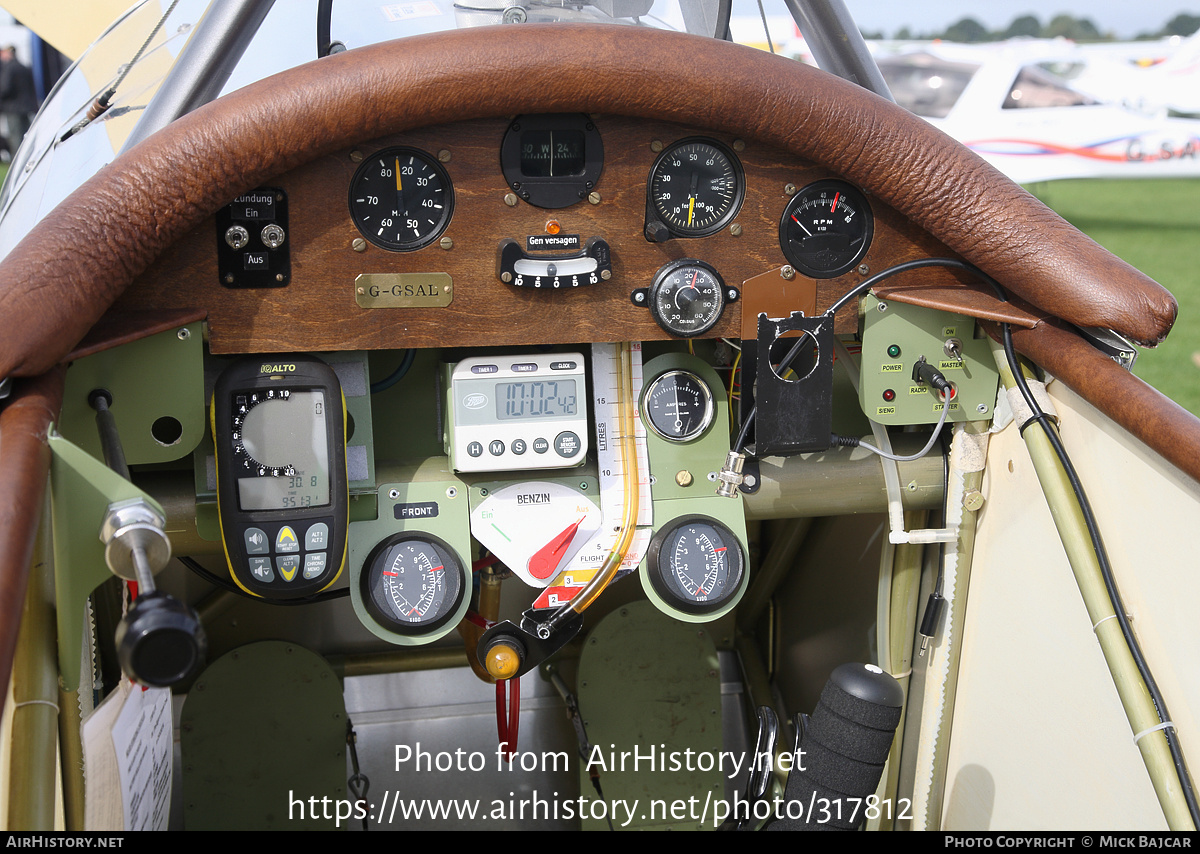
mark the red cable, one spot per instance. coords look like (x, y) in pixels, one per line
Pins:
(508, 719)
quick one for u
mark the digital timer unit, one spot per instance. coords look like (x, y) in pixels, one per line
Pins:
(517, 412)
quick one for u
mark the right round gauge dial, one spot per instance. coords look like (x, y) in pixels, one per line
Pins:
(826, 229)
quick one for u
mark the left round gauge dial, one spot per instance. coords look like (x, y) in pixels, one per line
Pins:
(413, 583)
(401, 199)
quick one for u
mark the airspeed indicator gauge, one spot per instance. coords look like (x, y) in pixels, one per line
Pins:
(401, 199)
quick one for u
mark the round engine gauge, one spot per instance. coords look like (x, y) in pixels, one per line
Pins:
(678, 406)
(401, 199)
(696, 187)
(687, 297)
(826, 228)
(412, 583)
(696, 565)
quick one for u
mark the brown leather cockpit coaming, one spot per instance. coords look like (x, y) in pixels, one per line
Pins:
(139, 206)
(25, 420)
(1162, 424)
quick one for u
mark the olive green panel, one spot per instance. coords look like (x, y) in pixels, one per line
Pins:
(81, 489)
(895, 336)
(437, 491)
(681, 469)
(727, 511)
(406, 419)
(157, 389)
(682, 485)
(262, 732)
(638, 658)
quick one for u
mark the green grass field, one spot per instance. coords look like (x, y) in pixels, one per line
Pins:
(1155, 226)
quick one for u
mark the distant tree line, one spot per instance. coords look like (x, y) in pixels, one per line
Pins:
(1060, 26)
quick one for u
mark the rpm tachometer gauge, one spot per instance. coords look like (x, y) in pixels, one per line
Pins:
(826, 229)
(401, 199)
(696, 187)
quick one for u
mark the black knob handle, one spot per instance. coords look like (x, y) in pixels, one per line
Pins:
(160, 642)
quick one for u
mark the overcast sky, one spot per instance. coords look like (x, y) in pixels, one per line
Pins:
(1122, 17)
(1125, 19)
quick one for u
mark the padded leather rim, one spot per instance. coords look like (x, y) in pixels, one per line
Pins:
(24, 465)
(58, 281)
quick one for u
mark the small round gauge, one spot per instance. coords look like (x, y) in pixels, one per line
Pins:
(696, 187)
(696, 565)
(826, 228)
(687, 297)
(401, 199)
(678, 406)
(412, 583)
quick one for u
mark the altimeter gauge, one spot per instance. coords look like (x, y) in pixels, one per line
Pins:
(695, 189)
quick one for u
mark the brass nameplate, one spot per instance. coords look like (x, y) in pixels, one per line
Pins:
(403, 290)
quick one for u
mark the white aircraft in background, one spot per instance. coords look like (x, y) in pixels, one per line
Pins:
(1157, 83)
(1005, 103)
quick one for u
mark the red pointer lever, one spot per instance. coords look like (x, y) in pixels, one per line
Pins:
(545, 560)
